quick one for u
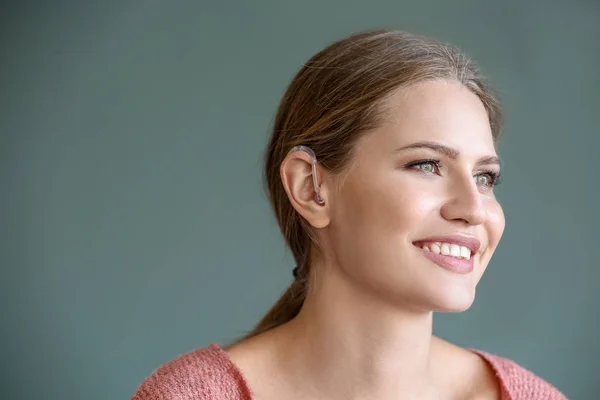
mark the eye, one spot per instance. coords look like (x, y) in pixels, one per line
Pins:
(482, 180)
(487, 179)
(428, 166)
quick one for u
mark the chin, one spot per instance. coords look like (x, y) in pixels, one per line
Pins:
(456, 301)
(453, 308)
(446, 299)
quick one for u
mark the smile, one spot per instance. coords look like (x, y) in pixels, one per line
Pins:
(450, 256)
(448, 249)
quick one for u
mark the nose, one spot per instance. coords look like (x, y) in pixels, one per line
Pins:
(465, 203)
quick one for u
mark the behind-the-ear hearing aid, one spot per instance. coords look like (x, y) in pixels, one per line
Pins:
(311, 153)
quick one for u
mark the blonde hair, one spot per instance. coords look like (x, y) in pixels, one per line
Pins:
(335, 97)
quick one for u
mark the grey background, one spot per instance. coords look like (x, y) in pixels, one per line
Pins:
(133, 226)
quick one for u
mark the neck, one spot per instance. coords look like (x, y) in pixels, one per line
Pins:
(349, 343)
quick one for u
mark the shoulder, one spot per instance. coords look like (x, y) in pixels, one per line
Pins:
(204, 374)
(518, 383)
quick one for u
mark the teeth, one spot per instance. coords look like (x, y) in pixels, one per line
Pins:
(448, 249)
(454, 250)
(445, 249)
(465, 253)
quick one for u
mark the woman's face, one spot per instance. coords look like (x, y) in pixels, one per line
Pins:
(420, 186)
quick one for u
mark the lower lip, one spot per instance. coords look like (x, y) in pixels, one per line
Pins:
(458, 265)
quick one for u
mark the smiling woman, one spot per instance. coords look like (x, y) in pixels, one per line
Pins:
(381, 172)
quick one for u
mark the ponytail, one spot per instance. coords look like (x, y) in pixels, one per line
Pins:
(286, 308)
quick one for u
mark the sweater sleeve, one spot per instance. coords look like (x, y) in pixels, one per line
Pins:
(200, 375)
(179, 379)
(521, 384)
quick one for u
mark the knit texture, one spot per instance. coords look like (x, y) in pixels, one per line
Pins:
(209, 374)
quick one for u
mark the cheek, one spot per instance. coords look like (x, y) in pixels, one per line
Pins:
(495, 223)
(494, 227)
(395, 208)
(379, 218)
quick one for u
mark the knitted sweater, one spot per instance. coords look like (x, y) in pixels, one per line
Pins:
(209, 374)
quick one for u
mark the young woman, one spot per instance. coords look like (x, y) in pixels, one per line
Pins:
(381, 171)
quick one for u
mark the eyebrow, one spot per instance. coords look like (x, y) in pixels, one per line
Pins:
(448, 152)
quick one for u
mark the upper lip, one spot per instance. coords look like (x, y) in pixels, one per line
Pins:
(469, 242)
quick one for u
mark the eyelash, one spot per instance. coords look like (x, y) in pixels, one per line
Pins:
(495, 177)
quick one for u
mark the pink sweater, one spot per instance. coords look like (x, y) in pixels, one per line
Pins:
(209, 374)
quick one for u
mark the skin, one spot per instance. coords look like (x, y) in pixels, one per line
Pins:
(365, 330)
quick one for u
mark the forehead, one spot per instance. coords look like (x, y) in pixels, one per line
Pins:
(443, 111)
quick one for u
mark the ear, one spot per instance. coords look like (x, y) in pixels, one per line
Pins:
(297, 177)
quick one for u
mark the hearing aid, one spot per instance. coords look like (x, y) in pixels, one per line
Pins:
(312, 154)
